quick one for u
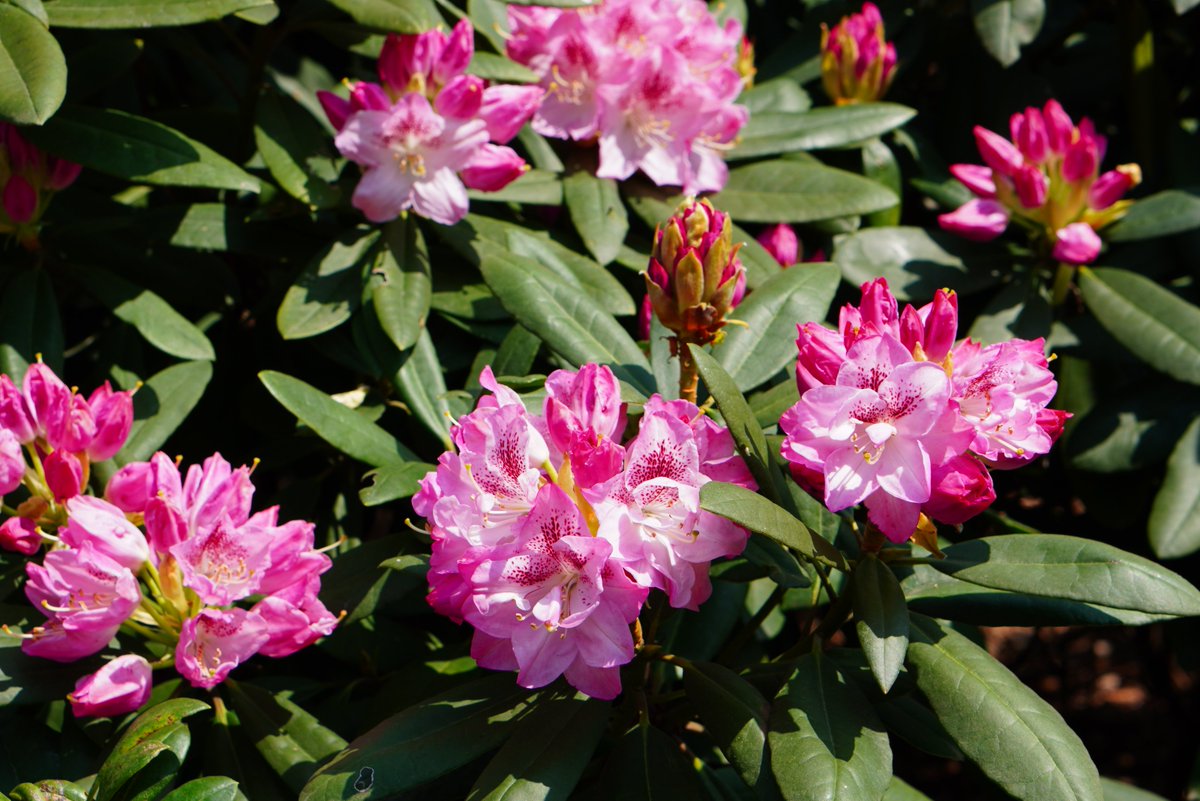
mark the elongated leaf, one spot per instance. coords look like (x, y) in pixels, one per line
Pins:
(342, 428)
(161, 405)
(879, 164)
(154, 731)
(1175, 517)
(1159, 327)
(1120, 791)
(915, 262)
(328, 289)
(754, 353)
(422, 742)
(423, 388)
(143, 13)
(778, 94)
(29, 324)
(899, 790)
(207, 788)
(770, 404)
(1161, 214)
(740, 421)
(33, 70)
(827, 744)
(1133, 428)
(597, 212)
(392, 482)
(1016, 311)
(1005, 26)
(297, 150)
(774, 131)
(400, 283)
(754, 512)
(492, 67)
(733, 712)
(975, 697)
(794, 191)
(542, 187)
(158, 323)
(137, 149)
(881, 619)
(646, 765)
(48, 790)
(392, 16)
(547, 752)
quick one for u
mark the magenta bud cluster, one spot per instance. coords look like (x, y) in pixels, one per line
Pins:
(28, 179)
(857, 61)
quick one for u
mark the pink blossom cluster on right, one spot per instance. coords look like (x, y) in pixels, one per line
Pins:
(548, 532)
(895, 414)
(1046, 178)
(653, 80)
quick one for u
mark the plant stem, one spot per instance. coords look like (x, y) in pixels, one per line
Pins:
(1062, 283)
(688, 373)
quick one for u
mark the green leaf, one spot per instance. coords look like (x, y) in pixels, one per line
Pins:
(392, 16)
(1175, 517)
(137, 149)
(492, 67)
(29, 324)
(1136, 427)
(826, 742)
(598, 214)
(881, 619)
(329, 288)
(540, 187)
(48, 790)
(1160, 328)
(516, 353)
(757, 351)
(879, 164)
(155, 731)
(1037, 756)
(161, 406)
(393, 482)
(770, 404)
(915, 262)
(297, 150)
(794, 191)
(357, 583)
(423, 742)
(776, 95)
(547, 752)
(400, 283)
(647, 765)
(1161, 214)
(344, 429)
(1058, 566)
(1016, 311)
(290, 739)
(733, 713)
(1005, 26)
(158, 323)
(898, 790)
(743, 427)
(143, 13)
(206, 788)
(33, 70)
(422, 387)
(752, 511)
(1120, 791)
(773, 131)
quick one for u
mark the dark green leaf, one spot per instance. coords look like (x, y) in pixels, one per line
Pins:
(1175, 517)
(1005, 26)
(156, 730)
(328, 289)
(975, 697)
(541, 187)
(297, 150)
(161, 405)
(33, 71)
(423, 388)
(1156, 324)
(392, 16)
(1120, 791)
(207, 788)
(733, 713)
(770, 404)
(598, 214)
(49, 790)
(1161, 214)
(349, 432)
(754, 512)
(915, 262)
(826, 742)
(794, 191)
(137, 149)
(143, 13)
(746, 433)
(516, 353)
(879, 164)
(1134, 428)
(400, 283)
(775, 131)
(898, 790)
(647, 765)
(357, 582)
(492, 67)
(881, 619)
(29, 324)
(1016, 311)
(392, 482)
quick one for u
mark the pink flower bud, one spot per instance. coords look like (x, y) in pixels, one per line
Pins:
(997, 152)
(857, 62)
(369, 97)
(53, 641)
(12, 462)
(20, 534)
(20, 199)
(1059, 128)
(121, 686)
(977, 220)
(406, 61)
(64, 474)
(456, 53)
(1076, 243)
(336, 109)
(130, 487)
(508, 107)
(1029, 134)
(493, 167)
(959, 489)
(1109, 187)
(14, 412)
(462, 97)
(781, 242)
(113, 413)
(48, 399)
(61, 173)
(1081, 160)
(975, 177)
(80, 428)
(645, 316)
(821, 354)
(295, 618)
(214, 642)
(22, 156)
(1032, 186)
(941, 325)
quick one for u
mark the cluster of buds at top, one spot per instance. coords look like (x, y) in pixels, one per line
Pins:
(28, 179)
(695, 277)
(857, 63)
(1048, 179)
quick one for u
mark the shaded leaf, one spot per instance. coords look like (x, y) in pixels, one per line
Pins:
(1134, 428)
(775, 131)
(598, 214)
(161, 406)
(1161, 214)
(297, 150)
(144, 13)
(733, 713)
(423, 388)
(392, 16)
(393, 482)
(1175, 517)
(881, 619)
(329, 288)
(400, 283)
(1005, 26)
(206, 788)
(647, 765)
(29, 324)
(794, 191)
(915, 262)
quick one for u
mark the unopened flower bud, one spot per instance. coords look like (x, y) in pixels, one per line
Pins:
(857, 63)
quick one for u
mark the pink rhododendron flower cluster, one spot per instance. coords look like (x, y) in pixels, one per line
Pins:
(857, 61)
(204, 582)
(28, 179)
(654, 81)
(548, 532)
(429, 131)
(1048, 179)
(895, 414)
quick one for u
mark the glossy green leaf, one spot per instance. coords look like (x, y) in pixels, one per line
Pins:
(827, 744)
(899, 790)
(1017, 311)
(776, 95)
(598, 214)
(1160, 327)
(880, 618)
(158, 323)
(909, 717)
(206, 788)
(516, 353)
(155, 731)
(422, 387)
(29, 324)
(143, 13)
(1002, 726)
(329, 288)
(915, 262)
(775, 131)
(423, 742)
(879, 164)
(1120, 791)
(547, 752)
(400, 284)
(753, 353)
(1006, 26)
(752, 511)
(297, 150)
(740, 421)
(540, 187)
(393, 482)
(48, 790)
(1175, 517)
(344, 429)
(492, 67)
(733, 712)
(357, 582)
(1134, 428)
(1161, 214)
(137, 149)
(161, 406)
(647, 765)
(392, 16)
(33, 70)
(770, 404)
(795, 191)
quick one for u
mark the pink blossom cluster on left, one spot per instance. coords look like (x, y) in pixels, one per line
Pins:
(28, 179)
(549, 530)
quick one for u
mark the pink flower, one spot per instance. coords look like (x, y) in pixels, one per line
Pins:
(53, 641)
(857, 63)
(130, 487)
(20, 534)
(27, 183)
(121, 685)
(113, 415)
(295, 618)
(214, 642)
(1076, 243)
(425, 62)
(83, 589)
(961, 489)
(782, 243)
(224, 564)
(15, 415)
(104, 526)
(977, 220)
(492, 168)
(12, 462)
(64, 474)
(584, 418)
